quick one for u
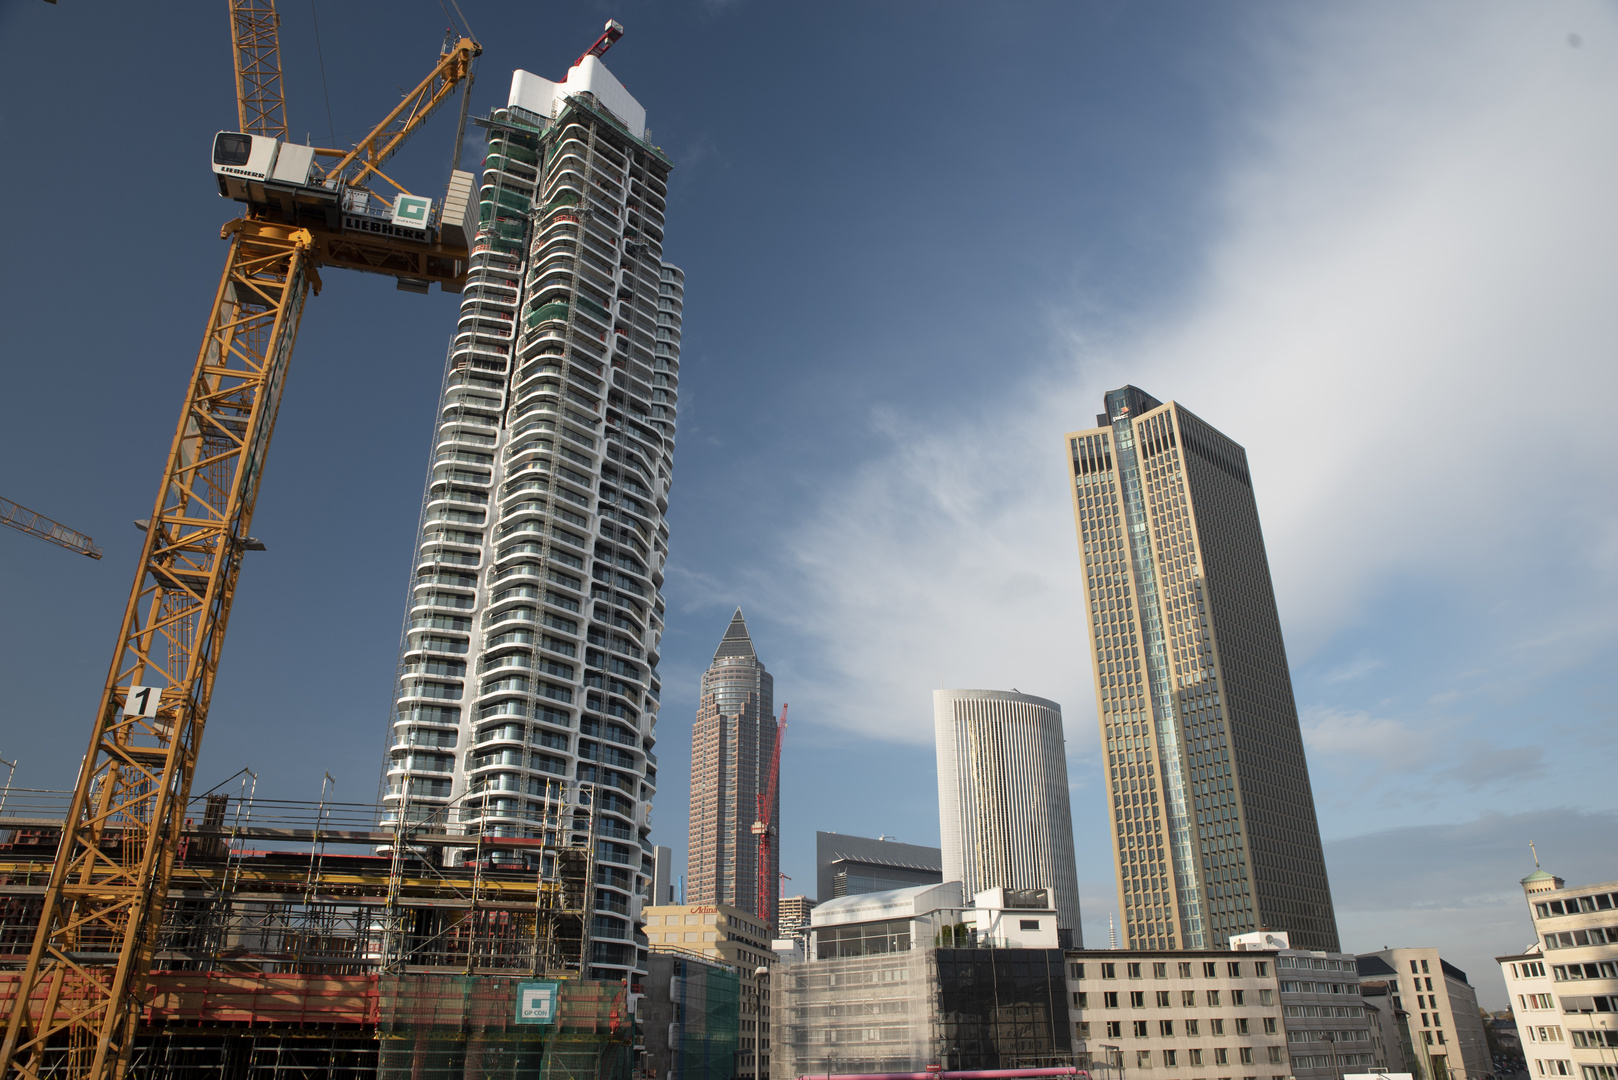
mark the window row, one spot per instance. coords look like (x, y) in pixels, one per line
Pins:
(1162, 998)
(1170, 1059)
(1192, 1028)
(1576, 905)
(1183, 969)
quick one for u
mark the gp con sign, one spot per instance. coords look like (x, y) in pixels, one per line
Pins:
(412, 210)
(536, 1003)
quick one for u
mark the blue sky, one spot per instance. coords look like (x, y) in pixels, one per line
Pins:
(1374, 243)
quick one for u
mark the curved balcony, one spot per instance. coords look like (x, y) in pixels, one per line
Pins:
(516, 551)
(519, 571)
(512, 617)
(468, 348)
(450, 435)
(519, 660)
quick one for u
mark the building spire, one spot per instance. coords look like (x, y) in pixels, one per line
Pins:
(737, 641)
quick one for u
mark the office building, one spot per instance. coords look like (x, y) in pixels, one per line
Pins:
(663, 887)
(528, 691)
(1564, 987)
(903, 980)
(1329, 1028)
(1446, 1028)
(732, 742)
(849, 865)
(1178, 1013)
(1213, 828)
(1003, 809)
(737, 938)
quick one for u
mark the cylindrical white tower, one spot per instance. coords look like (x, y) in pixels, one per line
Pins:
(1002, 796)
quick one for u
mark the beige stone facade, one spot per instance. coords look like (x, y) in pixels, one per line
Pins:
(1446, 1028)
(738, 938)
(1214, 830)
(1178, 1015)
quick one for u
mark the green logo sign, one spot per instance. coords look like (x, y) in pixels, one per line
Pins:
(536, 1003)
(412, 210)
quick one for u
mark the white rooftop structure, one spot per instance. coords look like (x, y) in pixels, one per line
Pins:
(908, 903)
(590, 75)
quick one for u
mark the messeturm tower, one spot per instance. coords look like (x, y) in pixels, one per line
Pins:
(732, 743)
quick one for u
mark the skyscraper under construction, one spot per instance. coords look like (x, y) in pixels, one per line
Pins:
(527, 700)
(1214, 824)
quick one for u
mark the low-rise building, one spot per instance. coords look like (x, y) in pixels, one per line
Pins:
(690, 1015)
(1188, 1014)
(737, 938)
(901, 980)
(1390, 1034)
(1446, 1027)
(1328, 1029)
(1564, 987)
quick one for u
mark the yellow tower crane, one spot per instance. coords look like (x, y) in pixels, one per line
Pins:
(77, 1004)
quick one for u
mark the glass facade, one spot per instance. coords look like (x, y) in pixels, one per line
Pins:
(1003, 1008)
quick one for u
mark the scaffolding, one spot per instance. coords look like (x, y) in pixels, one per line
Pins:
(307, 939)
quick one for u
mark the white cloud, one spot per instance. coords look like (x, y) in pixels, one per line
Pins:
(1357, 668)
(1333, 735)
(1406, 319)
(1454, 886)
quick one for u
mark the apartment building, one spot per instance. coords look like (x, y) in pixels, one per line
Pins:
(1564, 987)
(527, 700)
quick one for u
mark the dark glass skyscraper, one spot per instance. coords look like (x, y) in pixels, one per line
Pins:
(1214, 824)
(732, 743)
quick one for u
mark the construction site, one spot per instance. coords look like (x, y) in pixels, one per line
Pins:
(302, 939)
(481, 918)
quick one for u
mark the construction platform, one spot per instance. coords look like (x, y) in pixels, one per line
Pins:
(307, 939)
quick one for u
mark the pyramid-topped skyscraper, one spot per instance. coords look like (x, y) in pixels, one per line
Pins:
(732, 742)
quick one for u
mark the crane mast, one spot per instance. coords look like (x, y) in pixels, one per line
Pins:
(255, 38)
(77, 1003)
(764, 826)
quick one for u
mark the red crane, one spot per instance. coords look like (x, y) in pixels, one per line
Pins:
(764, 825)
(614, 31)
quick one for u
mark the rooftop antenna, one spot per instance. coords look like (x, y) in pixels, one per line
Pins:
(1112, 933)
(1535, 850)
